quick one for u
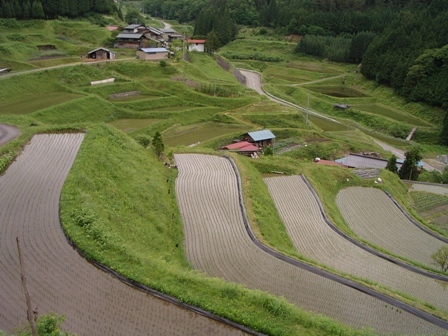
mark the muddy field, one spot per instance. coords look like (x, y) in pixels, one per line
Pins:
(373, 216)
(218, 244)
(59, 280)
(315, 239)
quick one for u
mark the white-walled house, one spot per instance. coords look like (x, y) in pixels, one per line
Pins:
(196, 45)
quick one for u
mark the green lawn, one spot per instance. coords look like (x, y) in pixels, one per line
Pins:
(131, 125)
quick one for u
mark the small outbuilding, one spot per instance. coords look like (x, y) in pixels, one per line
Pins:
(196, 45)
(261, 139)
(242, 147)
(101, 54)
(153, 54)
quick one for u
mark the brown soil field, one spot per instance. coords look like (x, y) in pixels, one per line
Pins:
(218, 244)
(374, 217)
(315, 239)
(58, 278)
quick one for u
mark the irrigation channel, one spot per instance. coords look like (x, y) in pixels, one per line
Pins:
(94, 299)
(219, 241)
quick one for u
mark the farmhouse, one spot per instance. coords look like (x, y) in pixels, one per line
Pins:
(130, 40)
(363, 161)
(261, 139)
(196, 45)
(134, 28)
(101, 53)
(170, 34)
(153, 54)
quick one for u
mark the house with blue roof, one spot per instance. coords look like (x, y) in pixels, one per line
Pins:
(261, 139)
(153, 54)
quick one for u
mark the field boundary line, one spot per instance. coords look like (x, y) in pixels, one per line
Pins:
(344, 281)
(368, 248)
(413, 221)
(138, 286)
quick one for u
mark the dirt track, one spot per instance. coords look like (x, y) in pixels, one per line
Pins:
(59, 280)
(217, 243)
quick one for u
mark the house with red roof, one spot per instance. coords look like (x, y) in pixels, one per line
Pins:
(196, 45)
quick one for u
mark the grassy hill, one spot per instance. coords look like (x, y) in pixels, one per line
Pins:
(118, 196)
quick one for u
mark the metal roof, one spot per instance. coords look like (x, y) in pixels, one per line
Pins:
(196, 41)
(101, 48)
(133, 26)
(261, 135)
(130, 35)
(238, 145)
(360, 161)
(153, 50)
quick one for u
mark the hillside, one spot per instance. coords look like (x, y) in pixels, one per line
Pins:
(119, 202)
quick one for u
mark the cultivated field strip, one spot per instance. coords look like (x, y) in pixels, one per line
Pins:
(59, 279)
(374, 217)
(217, 243)
(315, 239)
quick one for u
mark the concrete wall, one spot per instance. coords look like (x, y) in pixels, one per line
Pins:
(152, 57)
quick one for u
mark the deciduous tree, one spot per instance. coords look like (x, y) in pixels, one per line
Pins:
(440, 258)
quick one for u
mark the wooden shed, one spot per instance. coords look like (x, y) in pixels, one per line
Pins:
(262, 139)
(153, 54)
(101, 53)
(130, 40)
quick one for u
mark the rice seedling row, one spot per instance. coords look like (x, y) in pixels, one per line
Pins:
(59, 280)
(315, 239)
(216, 243)
(373, 216)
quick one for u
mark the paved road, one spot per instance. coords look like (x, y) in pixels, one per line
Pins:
(7, 133)
(253, 81)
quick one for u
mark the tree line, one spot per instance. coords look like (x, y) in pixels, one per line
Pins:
(50, 9)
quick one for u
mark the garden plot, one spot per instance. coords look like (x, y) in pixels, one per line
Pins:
(374, 217)
(315, 239)
(217, 243)
(58, 279)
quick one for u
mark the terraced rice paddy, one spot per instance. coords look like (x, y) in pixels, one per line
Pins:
(217, 243)
(436, 189)
(58, 279)
(373, 216)
(315, 239)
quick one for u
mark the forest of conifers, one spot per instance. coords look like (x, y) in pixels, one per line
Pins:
(400, 43)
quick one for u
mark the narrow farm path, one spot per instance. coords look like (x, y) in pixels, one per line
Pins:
(374, 217)
(7, 133)
(315, 239)
(58, 278)
(219, 242)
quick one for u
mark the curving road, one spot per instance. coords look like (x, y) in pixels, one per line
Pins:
(8, 133)
(58, 278)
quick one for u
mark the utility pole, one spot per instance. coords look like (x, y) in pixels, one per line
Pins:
(183, 46)
(307, 108)
(29, 312)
